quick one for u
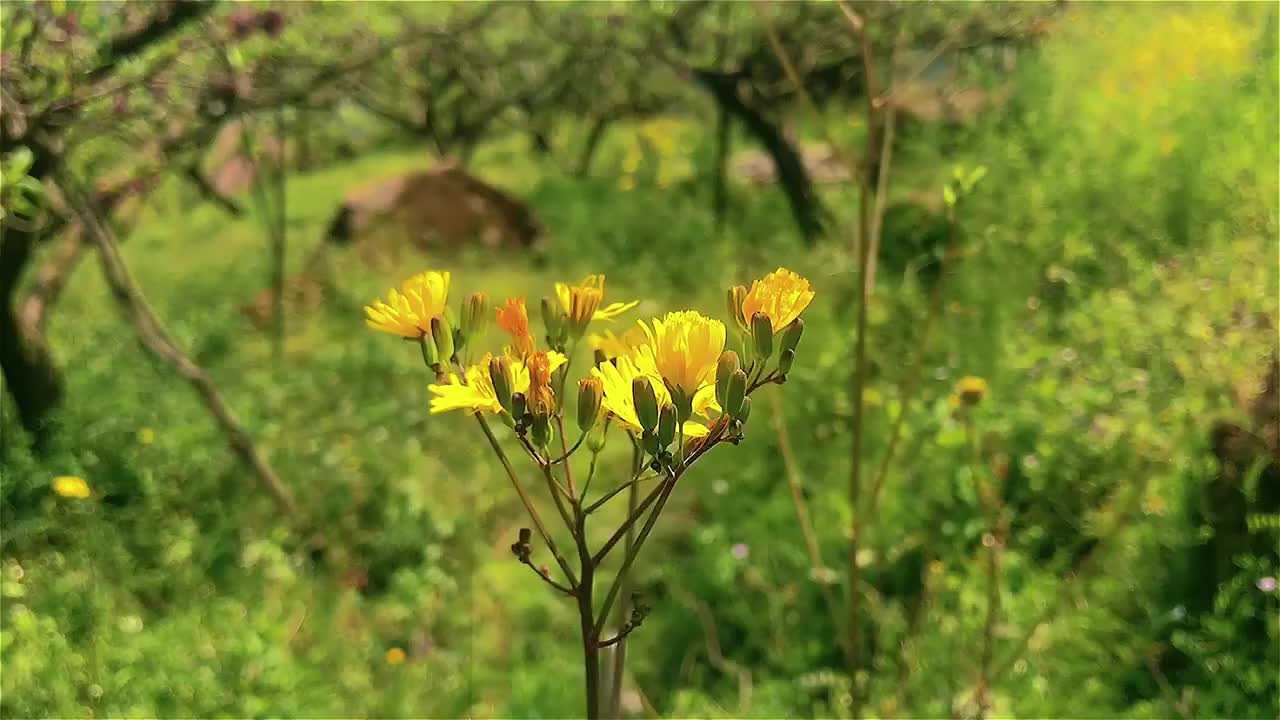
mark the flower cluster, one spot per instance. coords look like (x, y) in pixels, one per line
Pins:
(674, 386)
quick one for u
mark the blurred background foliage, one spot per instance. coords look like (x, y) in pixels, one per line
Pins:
(1115, 282)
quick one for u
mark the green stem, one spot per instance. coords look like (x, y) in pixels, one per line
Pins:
(665, 492)
(620, 653)
(628, 526)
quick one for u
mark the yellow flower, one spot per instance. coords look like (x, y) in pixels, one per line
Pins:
(542, 400)
(513, 318)
(781, 295)
(408, 312)
(625, 345)
(396, 656)
(617, 376)
(686, 346)
(476, 393)
(146, 436)
(71, 486)
(582, 302)
(969, 390)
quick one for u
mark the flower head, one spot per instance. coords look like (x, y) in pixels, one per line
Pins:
(396, 656)
(781, 296)
(625, 345)
(475, 393)
(686, 347)
(542, 399)
(71, 486)
(1267, 584)
(408, 313)
(581, 302)
(969, 391)
(513, 318)
(146, 436)
(616, 378)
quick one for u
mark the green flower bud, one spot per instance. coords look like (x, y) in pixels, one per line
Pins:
(553, 320)
(596, 439)
(541, 430)
(791, 335)
(590, 392)
(500, 376)
(666, 425)
(443, 335)
(646, 403)
(745, 411)
(735, 392)
(649, 441)
(429, 354)
(735, 296)
(519, 405)
(785, 360)
(475, 317)
(682, 400)
(762, 336)
(724, 368)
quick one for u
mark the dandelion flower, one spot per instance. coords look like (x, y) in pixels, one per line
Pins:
(408, 313)
(581, 302)
(625, 345)
(396, 656)
(781, 295)
(686, 348)
(474, 392)
(513, 318)
(146, 436)
(616, 378)
(71, 486)
(969, 390)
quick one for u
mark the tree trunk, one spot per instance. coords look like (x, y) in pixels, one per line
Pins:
(720, 180)
(806, 208)
(598, 128)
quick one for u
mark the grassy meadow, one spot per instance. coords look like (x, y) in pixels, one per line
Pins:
(1114, 282)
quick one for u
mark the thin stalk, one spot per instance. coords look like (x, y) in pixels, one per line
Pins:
(629, 526)
(991, 508)
(620, 655)
(564, 448)
(527, 501)
(665, 493)
(587, 622)
(612, 493)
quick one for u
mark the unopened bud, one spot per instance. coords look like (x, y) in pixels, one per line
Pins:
(590, 392)
(519, 405)
(649, 440)
(666, 425)
(762, 336)
(429, 355)
(475, 316)
(785, 360)
(724, 368)
(525, 535)
(553, 320)
(735, 296)
(541, 430)
(745, 411)
(443, 335)
(791, 335)
(735, 392)
(500, 376)
(646, 403)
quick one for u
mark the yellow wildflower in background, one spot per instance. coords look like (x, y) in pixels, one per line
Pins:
(396, 656)
(781, 295)
(580, 302)
(71, 486)
(146, 436)
(513, 319)
(618, 400)
(686, 346)
(969, 391)
(408, 312)
(624, 345)
(477, 393)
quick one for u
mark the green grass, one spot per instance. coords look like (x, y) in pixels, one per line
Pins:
(1116, 292)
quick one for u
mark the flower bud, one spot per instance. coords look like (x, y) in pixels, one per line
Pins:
(553, 320)
(791, 335)
(649, 441)
(762, 336)
(519, 405)
(666, 425)
(785, 359)
(429, 354)
(597, 437)
(541, 430)
(500, 376)
(735, 297)
(475, 316)
(443, 335)
(590, 392)
(728, 363)
(525, 536)
(646, 402)
(735, 392)
(682, 400)
(745, 411)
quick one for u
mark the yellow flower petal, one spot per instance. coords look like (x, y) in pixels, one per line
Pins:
(408, 312)
(71, 486)
(781, 295)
